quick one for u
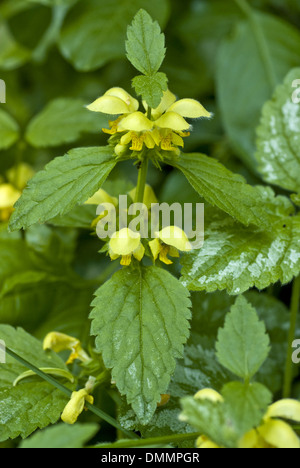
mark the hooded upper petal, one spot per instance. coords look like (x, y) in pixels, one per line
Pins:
(110, 105)
(120, 93)
(209, 394)
(173, 121)
(135, 122)
(189, 108)
(175, 237)
(279, 434)
(285, 409)
(125, 242)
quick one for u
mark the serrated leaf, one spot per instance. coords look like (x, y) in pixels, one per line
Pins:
(145, 45)
(151, 88)
(223, 189)
(237, 258)
(94, 31)
(29, 405)
(9, 130)
(245, 85)
(62, 121)
(61, 436)
(65, 182)
(248, 403)
(243, 344)
(140, 319)
(278, 142)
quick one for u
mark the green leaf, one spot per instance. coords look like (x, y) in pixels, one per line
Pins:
(12, 54)
(30, 405)
(151, 88)
(62, 121)
(243, 345)
(248, 404)
(237, 258)
(140, 320)
(94, 31)
(65, 182)
(212, 420)
(223, 189)
(145, 45)
(9, 130)
(245, 85)
(61, 436)
(279, 137)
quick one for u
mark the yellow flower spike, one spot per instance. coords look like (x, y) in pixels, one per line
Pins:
(101, 197)
(172, 121)
(149, 196)
(125, 244)
(279, 434)
(136, 122)
(189, 108)
(284, 409)
(175, 237)
(76, 406)
(60, 342)
(209, 394)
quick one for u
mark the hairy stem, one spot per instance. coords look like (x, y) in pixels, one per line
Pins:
(288, 377)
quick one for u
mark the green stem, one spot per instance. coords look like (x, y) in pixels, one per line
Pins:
(261, 42)
(288, 377)
(68, 392)
(142, 179)
(171, 439)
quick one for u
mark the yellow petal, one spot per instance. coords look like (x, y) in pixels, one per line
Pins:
(124, 242)
(209, 394)
(120, 93)
(136, 122)
(279, 434)
(102, 197)
(177, 140)
(173, 121)
(59, 342)
(249, 440)
(139, 252)
(189, 108)
(110, 105)
(167, 100)
(8, 196)
(175, 237)
(75, 406)
(126, 260)
(284, 409)
(20, 175)
(163, 255)
(155, 247)
(209, 445)
(127, 138)
(149, 196)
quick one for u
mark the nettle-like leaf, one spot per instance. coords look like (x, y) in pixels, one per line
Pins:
(151, 88)
(145, 45)
(141, 322)
(224, 189)
(93, 33)
(237, 258)
(31, 404)
(65, 182)
(279, 137)
(243, 345)
(62, 121)
(61, 436)
(9, 130)
(245, 85)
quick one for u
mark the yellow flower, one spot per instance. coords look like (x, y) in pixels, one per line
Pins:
(102, 197)
(77, 403)
(60, 342)
(275, 433)
(169, 241)
(272, 433)
(165, 128)
(125, 244)
(9, 195)
(164, 400)
(19, 175)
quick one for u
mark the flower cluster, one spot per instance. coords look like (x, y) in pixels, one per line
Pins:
(163, 128)
(272, 433)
